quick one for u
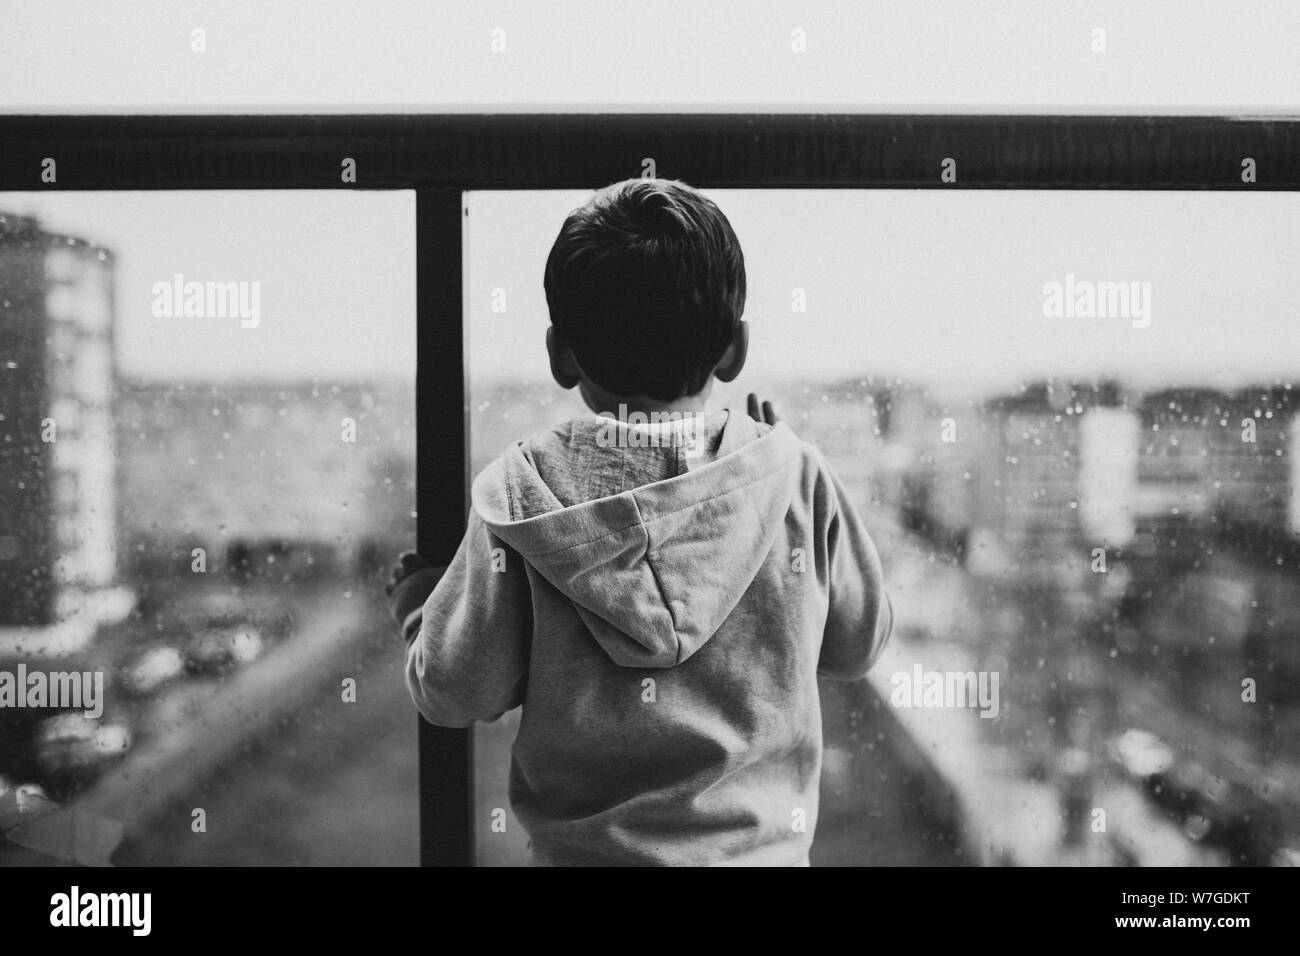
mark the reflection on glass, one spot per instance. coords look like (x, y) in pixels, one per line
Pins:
(1089, 525)
(195, 516)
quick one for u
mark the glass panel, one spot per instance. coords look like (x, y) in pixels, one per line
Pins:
(206, 462)
(1068, 420)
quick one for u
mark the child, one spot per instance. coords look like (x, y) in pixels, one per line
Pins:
(658, 586)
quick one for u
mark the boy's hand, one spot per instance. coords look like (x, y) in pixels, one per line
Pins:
(410, 584)
(408, 562)
(763, 414)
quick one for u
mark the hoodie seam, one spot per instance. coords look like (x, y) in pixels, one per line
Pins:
(719, 495)
(578, 544)
(659, 588)
(510, 493)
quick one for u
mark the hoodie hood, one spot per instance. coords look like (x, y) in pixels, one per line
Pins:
(643, 565)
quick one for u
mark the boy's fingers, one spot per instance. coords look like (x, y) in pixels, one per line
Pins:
(761, 413)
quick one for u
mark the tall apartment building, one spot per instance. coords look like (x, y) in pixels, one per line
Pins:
(58, 508)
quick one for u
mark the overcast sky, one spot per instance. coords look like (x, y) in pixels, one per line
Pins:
(336, 272)
(1197, 56)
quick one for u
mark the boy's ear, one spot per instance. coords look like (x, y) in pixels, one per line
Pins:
(733, 360)
(564, 368)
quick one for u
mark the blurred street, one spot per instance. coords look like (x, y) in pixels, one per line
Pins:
(300, 797)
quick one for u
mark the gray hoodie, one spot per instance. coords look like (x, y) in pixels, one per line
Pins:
(661, 611)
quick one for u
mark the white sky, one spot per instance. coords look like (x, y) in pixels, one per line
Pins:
(1169, 56)
(337, 274)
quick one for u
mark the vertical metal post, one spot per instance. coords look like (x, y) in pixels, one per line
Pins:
(441, 469)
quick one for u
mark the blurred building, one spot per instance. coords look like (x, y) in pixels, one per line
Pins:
(1255, 467)
(1023, 486)
(58, 528)
(303, 478)
(1053, 480)
(930, 452)
(1027, 485)
(1220, 463)
(1182, 441)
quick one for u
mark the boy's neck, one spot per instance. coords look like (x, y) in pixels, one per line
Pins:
(624, 408)
(619, 406)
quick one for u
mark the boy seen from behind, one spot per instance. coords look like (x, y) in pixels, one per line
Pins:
(658, 585)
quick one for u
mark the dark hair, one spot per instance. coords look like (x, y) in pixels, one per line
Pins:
(646, 284)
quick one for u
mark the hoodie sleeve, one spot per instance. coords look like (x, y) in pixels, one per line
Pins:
(469, 660)
(859, 617)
